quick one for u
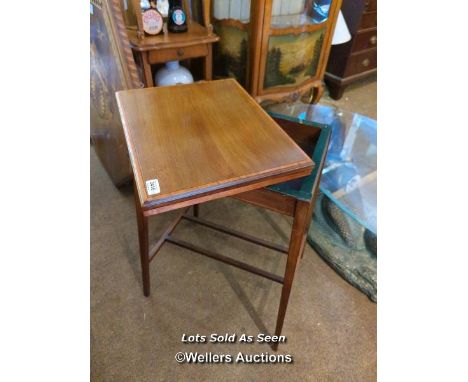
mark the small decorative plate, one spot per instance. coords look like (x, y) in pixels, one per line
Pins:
(152, 21)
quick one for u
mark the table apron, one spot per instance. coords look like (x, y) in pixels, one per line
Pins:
(222, 193)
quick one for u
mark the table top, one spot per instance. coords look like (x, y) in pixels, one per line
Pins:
(196, 34)
(203, 141)
(349, 176)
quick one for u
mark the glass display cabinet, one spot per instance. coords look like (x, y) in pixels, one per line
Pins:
(277, 49)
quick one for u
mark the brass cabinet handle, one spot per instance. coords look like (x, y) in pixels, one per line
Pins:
(373, 40)
(180, 52)
(366, 62)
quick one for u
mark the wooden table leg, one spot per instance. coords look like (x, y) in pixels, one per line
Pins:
(144, 244)
(296, 245)
(195, 210)
(312, 205)
(208, 64)
(147, 69)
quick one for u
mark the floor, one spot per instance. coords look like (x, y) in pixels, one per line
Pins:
(359, 97)
(330, 326)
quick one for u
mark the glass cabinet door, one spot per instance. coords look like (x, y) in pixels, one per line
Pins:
(295, 34)
(294, 13)
(231, 21)
(272, 46)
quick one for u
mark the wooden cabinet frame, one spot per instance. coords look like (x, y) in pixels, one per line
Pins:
(112, 69)
(260, 31)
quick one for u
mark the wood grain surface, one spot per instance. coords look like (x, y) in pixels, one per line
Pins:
(112, 68)
(204, 141)
(196, 34)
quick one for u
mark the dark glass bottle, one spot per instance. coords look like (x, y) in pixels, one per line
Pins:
(177, 19)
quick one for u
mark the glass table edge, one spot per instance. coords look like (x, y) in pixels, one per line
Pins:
(317, 156)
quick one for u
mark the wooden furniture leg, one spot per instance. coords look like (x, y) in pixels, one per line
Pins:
(208, 64)
(335, 90)
(296, 245)
(147, 69)
(144, 245)
(317, 93)
(195, 210)
(312, 205)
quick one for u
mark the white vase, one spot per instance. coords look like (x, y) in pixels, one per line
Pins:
(173, 74)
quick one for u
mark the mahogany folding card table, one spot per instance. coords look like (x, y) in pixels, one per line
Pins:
(190, 144)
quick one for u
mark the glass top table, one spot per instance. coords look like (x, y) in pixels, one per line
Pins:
(349, 177)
